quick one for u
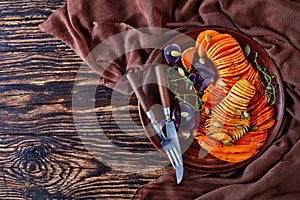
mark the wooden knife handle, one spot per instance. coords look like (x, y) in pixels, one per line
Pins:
(138, 91)
(162, 86)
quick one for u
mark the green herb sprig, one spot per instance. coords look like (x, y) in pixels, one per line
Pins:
(267, 80)
(173, 79)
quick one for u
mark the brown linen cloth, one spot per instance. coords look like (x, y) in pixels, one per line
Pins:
(275, 25)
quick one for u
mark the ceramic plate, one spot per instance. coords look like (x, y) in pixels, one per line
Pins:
(190, 147)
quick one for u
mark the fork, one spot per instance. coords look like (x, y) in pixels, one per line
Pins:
(166, 143)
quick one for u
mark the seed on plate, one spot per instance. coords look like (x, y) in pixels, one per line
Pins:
(207, 38)
(184, 114)
(253, 128)
(237, 111)
(246, 115)
(228, 144)
(240, 127)
(202, 61)
(236, 78)
(247, 50)
(181, 71)
(207, 111)
(221, 83)
(175, 53)
(217, 124)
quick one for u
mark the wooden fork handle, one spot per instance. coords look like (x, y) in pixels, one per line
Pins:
(143, 100)
(162, 86)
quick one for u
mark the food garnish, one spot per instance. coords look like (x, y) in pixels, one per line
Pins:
(267, 80)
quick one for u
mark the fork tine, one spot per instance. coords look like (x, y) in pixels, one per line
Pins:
(174, 157)
(177, 155)
(170, 158)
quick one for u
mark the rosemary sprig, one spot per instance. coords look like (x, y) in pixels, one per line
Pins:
(267, 80)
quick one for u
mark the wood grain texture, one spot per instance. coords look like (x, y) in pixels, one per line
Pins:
(43, 155)
(59, 166)
(19, 29)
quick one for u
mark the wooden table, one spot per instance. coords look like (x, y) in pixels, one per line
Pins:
(42, 156)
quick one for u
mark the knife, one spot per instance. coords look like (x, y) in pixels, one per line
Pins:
(170, 127)
(166, 143)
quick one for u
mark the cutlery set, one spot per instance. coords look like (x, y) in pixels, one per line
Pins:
(169, 143)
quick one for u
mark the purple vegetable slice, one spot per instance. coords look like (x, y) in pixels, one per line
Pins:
(207, 81)
(192, 77)
(185, 117)
(203, 68)
(172, 53)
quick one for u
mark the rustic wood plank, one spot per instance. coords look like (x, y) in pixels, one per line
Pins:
(42, 104)
(26, 36)
(28, 9)
(38, 67)
(37, 89)
(19, 29)
(114, 185)
(60, 167)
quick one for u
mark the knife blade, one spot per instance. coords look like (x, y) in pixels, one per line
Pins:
(171, 134)
(170, 127)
